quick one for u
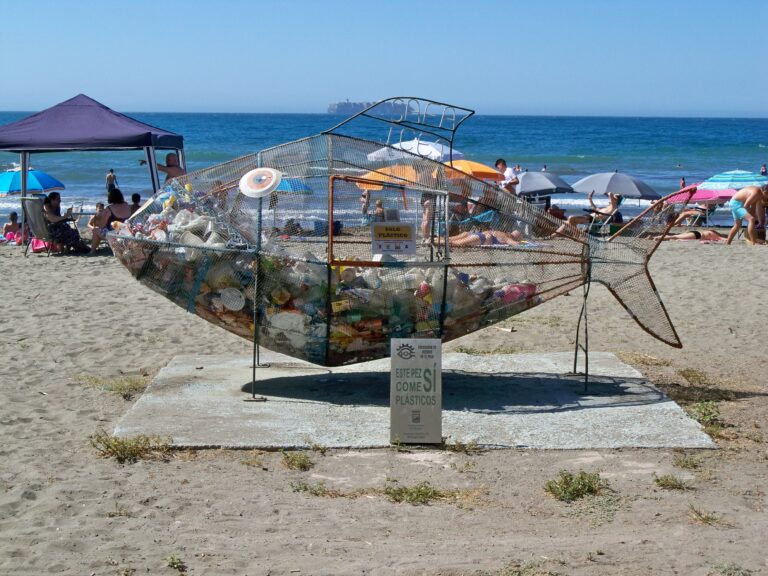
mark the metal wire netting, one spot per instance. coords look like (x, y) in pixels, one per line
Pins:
(349, 252)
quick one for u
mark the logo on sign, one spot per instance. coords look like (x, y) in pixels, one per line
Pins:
(406, 351)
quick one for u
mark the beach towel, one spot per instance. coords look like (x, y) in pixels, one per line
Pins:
(38, 245)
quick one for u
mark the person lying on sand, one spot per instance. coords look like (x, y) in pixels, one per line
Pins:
(486, 238)
(709, 235)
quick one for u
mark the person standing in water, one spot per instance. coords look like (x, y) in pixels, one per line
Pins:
(111, 180)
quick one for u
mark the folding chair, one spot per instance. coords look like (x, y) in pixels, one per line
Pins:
(33, 216)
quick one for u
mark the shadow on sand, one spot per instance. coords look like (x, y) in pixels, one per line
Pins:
(463, 391)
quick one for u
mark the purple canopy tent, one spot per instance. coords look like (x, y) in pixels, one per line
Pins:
(82, 123)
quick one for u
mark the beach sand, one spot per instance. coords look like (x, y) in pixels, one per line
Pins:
(66, 510)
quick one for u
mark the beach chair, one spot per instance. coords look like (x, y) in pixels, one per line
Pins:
(33, 216)
(702, 218)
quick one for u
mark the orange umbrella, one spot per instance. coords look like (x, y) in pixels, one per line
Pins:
(481, 171)
(399, 174)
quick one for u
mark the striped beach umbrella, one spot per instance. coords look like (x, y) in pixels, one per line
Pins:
(733, 180)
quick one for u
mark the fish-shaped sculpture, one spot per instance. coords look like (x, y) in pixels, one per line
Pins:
(325, 248)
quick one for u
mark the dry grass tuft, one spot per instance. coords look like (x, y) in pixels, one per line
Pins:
(254, 460)
(119, 512)
(129, 450)
(639, 359)
(568, 487)
(176, 563)
(126, 386)
(318, 489)
(686, 461)
(731, 569)
(468, 448)
(670, 482)
(297, 461)
(699, 516)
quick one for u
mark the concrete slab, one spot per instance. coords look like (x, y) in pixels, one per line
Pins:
(520, 400)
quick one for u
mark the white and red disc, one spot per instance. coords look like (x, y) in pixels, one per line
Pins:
(260, 182)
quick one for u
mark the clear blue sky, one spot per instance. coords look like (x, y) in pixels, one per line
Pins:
(612, 57)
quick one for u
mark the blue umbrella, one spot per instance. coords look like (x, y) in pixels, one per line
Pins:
(733, 180)
(294, 185)
(37, 181)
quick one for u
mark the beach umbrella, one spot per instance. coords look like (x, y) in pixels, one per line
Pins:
(293, 186)
(431, 150)
(460, 168)
(37, 181)
(541, 183)
(734, 180)
(399, 174)
(703, 196)
(616, 183)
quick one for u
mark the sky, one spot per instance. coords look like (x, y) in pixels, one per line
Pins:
(542, 57)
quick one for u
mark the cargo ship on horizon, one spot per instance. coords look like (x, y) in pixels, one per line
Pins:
(348, 108)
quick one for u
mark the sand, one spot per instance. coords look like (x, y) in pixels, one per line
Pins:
(66, 510)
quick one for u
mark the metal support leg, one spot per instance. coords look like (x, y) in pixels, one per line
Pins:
(256, 348)
(583, 317)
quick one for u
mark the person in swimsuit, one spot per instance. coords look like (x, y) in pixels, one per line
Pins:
(59, 226)
(172, 168)
(117, 210)
(708, 235)
(111, 180)
(12, 226)
(486, 238)
(748, 203)
(595, 213)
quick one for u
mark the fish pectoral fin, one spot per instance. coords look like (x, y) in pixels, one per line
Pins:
(638, 295)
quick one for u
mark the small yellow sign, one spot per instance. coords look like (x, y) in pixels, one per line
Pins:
(393, 238)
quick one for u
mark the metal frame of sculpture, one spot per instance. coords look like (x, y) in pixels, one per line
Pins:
(294, 270)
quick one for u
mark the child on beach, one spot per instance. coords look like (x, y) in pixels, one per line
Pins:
(135, 202)
(96, 217)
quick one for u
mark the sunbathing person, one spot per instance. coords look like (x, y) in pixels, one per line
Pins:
(59, 226)
(709, 235)
(118, 210)
(12, 229)
(596, 214)
(486, 238)
(696, 213)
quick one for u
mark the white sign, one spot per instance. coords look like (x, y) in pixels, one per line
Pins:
(393, 238)
(416, 391)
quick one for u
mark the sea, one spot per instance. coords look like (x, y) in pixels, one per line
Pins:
(659, 151)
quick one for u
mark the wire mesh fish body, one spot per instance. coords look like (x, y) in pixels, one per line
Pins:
(364, 241)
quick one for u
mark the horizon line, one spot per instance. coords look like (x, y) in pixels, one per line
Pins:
(540, 115)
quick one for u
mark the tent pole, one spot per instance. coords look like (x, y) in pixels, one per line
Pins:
(24, 183)
(149, 154)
